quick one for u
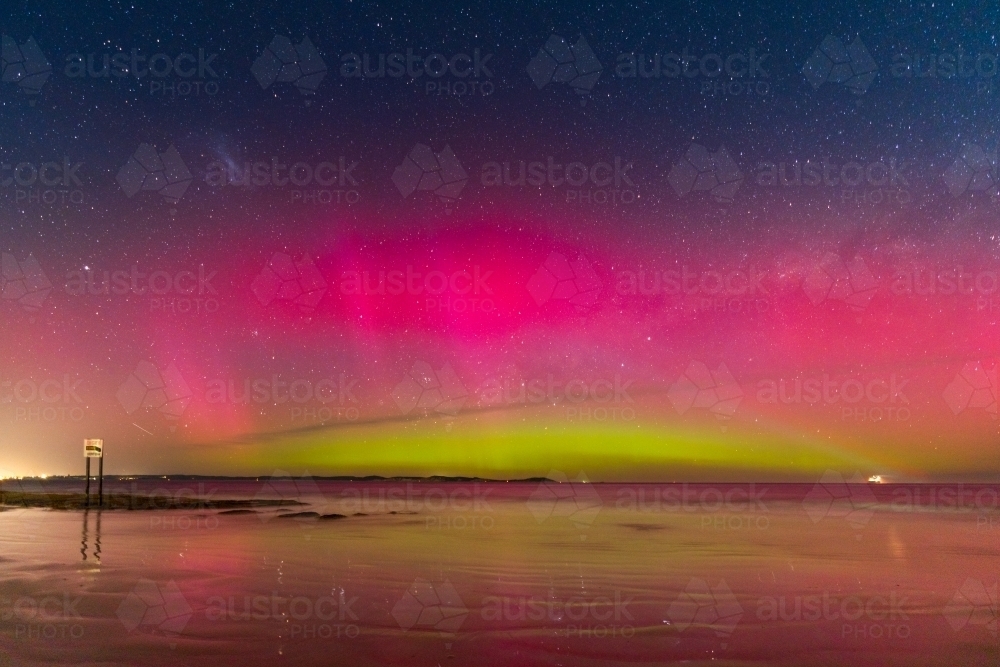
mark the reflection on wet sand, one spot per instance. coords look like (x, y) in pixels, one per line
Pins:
(84, 544)
(459, 574)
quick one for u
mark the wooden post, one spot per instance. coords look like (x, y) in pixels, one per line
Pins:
(95, 449)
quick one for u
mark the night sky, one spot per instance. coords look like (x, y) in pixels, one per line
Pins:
(646, 242)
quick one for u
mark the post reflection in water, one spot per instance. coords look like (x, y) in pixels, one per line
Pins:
(83, 538)
(84, 543)
(97, 538)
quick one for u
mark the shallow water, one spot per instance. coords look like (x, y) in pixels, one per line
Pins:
(508, 574)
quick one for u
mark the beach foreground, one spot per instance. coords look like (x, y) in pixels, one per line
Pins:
(533, 573)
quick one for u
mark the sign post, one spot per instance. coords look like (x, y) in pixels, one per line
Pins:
(94, 449)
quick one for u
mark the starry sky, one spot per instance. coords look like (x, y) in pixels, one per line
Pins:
(653, 241)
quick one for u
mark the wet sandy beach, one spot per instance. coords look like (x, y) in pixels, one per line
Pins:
(510, 574)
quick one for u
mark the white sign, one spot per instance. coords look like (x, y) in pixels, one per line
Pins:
(93, 449)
